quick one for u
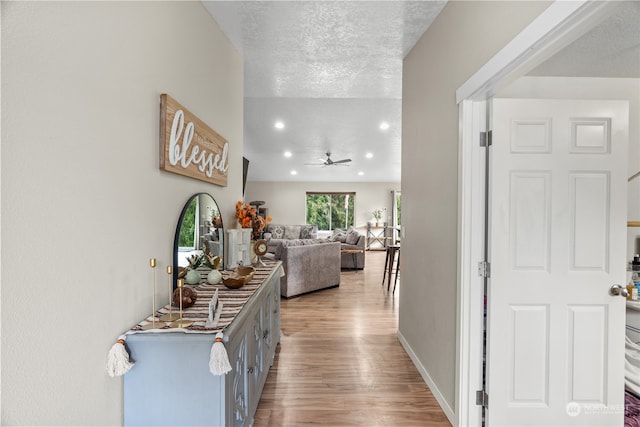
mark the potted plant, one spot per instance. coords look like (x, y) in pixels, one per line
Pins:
(193, 276)
(213, 262)
(377, 214)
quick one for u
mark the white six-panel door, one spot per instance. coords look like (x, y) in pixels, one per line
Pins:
(557, 244)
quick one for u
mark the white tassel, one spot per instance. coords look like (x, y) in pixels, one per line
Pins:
(219, 360)
(118, 362)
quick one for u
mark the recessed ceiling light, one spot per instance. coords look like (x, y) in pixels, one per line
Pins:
(287, 154)
(294, 173)
(368, 155)
(384, 125)
(360, 173)
(279, 125)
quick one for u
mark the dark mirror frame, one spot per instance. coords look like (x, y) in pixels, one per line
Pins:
(176, 238)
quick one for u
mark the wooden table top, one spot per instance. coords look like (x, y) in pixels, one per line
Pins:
(352, 251)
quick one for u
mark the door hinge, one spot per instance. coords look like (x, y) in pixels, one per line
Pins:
(484, 269)
(482, 398)
(486, 138)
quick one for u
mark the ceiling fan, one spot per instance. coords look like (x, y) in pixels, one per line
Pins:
(329, 162)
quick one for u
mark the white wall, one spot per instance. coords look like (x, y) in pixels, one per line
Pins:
(286, 200)
(595, 88)
(84, 204)
(462, 38)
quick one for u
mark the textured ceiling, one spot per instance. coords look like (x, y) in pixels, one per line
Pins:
(331, 71)
(324, 49)
(611, 49)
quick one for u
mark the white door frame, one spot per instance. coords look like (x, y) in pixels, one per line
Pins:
(559, 25)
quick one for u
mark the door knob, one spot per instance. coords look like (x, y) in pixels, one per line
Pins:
(619, 290)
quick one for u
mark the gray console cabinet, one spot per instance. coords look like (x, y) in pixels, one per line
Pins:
(170, 383)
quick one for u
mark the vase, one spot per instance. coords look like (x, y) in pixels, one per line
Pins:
(214, 277)
(193, 277)
(247, 246)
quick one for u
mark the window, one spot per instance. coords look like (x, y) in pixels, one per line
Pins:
(330, 210)
(188, 229)
(397, 215)
(397, 208)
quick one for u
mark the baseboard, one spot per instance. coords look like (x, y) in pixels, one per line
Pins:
(427, 379)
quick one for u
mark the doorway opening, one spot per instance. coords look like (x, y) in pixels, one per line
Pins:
(564, 24)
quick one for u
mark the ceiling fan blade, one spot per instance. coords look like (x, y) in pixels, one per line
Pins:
(329, 162)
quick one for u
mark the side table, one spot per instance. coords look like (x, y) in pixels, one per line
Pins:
(377, 234)
(354, 253)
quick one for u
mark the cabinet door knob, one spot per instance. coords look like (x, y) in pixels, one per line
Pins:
(266, 334)
(250, 370)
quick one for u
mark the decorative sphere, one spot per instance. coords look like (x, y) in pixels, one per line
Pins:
(214, 277)
(189, 297)
(193, 277)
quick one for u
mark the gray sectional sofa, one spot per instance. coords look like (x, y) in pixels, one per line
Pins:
(309, 265)
(348, 238)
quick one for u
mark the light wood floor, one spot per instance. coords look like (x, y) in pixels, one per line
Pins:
(339, 362)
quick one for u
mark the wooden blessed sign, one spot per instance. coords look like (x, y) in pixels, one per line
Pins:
(189, 147)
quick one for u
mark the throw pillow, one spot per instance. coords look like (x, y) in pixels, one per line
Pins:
(292, 232)
(305, 231)
(339, 235)
(277, 231)
(352, 236)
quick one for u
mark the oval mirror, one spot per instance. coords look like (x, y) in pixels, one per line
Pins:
(199, 231)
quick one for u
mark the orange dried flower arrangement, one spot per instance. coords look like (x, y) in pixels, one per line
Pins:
(248, 217)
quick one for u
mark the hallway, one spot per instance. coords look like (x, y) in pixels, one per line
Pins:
(339, 362)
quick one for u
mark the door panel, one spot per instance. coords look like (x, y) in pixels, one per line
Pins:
(587, 334)
(530, 210)
(529, 358)
(557, 235)
(589, 243)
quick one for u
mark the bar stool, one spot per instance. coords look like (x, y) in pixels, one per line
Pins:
(392, 251)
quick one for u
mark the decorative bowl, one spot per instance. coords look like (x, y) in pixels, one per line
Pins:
(239, 277)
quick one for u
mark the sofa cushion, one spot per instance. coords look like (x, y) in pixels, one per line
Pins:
(306, 231)
(277, 231)
(292, 232)
(339, 235)
(285, 231)
(352, 236)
